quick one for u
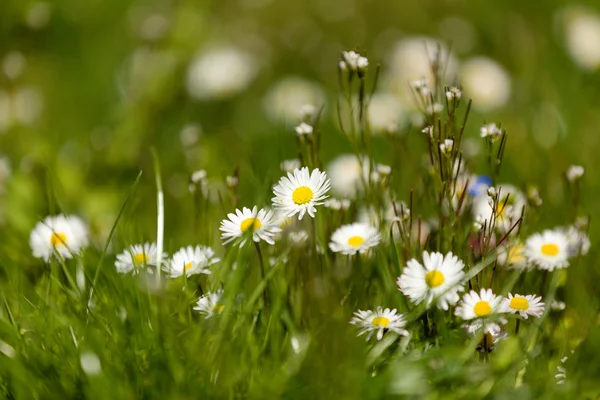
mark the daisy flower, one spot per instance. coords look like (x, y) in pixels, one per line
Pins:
(381, 321)
(353, 238)
(300, 192)
(507, 210)
(439, 279)
(136, 257)
(578, 240)
(209, 304)
(492, 333)
(548, 250)
(65, 234)
(475, 305)
(261, 223)
(191, 260)
(512, 256)
(525, 305)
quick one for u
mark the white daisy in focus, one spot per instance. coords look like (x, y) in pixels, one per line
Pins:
(486, 82)
(548, 250)
(439, 280)
(261, 223)
(208, 304)
(379, 321)
(299, 192)
(525, 305)
(64, 234)
(476, 305)
(354, 238)
(191, 260)
(345, 173)
(136, 257)
(220, 73)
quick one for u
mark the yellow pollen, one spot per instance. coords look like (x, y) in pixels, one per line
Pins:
(218, 308)
(140, 258)
(482, 308)
(519, 303)
(380, 321)
(355, 241)
(302, 195)
(434, 279)
(549, 249)
(58, 239)
(250, 223)
(188, 266)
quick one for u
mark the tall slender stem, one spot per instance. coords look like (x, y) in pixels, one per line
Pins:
(262, 272)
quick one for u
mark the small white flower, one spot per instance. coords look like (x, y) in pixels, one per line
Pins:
(354, 61)
(575, 172)
(558, 305)
(231, 181)
(198, 176)
(582, 32)
(347, 175)
(491, 130)
(446, 147)
(438, 279)
(492, 333)
(261, 223)
(525, 305)
(383, 169)
(333, 204)
(507, 210)
(379, 321)
(304, 129)
(548, 250)
(64, 234)
(191, 260)
(136, 257)
(428, 130)
(453, 93)
(353, 238)
(298, 238)
(435, 108)
(475, 305)
(209, 304)
(300, 192)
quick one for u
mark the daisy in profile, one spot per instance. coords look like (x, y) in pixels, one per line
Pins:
(137, 256)
(525, 305)
(208, 305)
(261, 223)
(438, 279)
(475, 305)
(379, 321)
(191, 260)
(548, 250)
(354, 238)
(63, 234)
(300, 192)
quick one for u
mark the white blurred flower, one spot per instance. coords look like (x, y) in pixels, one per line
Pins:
(345, 174)
(90, 363)
(453, 93)
(191, 260)
(292, 99)
(578, 241)
(209, 304)
(290, 165)
(582, 35)
(298, 238)
(507, 212)
(13, 64)
(385, 113)
(486, 83)
(575, 172)
(64, 234)
(136, 257)
(446, 147)
(354, 238)
(548, 250)
(379, 321)
(491, 130)
(304, 129)
(220, 73)
(354, 61)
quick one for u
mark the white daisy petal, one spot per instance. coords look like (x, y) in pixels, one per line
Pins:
(208, 304)
(64, 234)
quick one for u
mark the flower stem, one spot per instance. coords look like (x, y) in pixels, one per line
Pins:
(262, 272)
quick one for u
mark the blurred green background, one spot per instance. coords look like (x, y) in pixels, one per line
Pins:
(87, 88)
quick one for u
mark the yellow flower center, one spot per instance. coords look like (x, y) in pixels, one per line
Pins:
(356, 241)
(250, 223)
(140, 258)
(58, 239)
(434, 279)
(380, 321)
(188, 266)
(519, 303)
(302, 195)
(482, 308)
(218, 308)
(515, 254)
(549, 249)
